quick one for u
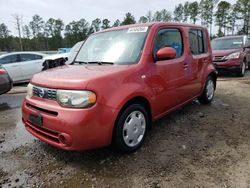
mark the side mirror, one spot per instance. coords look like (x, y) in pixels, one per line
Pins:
(166, 53)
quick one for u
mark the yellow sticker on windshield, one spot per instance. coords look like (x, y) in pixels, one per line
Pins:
(137, 29)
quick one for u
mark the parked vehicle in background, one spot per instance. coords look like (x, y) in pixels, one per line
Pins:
(69, 56)
(21, 66)
(5, 81)
(122, 79)
(63, 50)
(232, 53)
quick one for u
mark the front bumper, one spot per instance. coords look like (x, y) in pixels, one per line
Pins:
(229, 64)
(67, 128)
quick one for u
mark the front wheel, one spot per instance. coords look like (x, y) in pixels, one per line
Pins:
(131, 129)
(242, 69)
(208, 92)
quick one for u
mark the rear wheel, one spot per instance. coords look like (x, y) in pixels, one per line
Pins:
(131, 129)
(242, 69)
(208, 92)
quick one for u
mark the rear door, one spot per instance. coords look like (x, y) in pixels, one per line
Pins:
(12, 65)
(31, 64)
(247, 51)
(199, 58)
(171, 73)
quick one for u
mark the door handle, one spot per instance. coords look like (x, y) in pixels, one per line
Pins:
(185, 65)
(13, 65)
(204, 60)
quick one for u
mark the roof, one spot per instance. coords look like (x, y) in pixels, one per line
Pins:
(157, 24)
(23, 52)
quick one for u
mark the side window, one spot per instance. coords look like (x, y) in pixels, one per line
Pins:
(9, 59)
(169, 38)
(197, 42)
(27, 57)
(38, 56)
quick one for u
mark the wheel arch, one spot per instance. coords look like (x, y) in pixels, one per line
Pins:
(214, 76)
(135, 100)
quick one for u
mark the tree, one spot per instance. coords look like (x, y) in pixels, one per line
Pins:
(186, 11)
(166, 15)
(206, 8)
(178, 13)
(76, 31)
(128, 19)
(193, 11)
(149, 16)
(233, 16)
(4, 36)
(143, 19)
(117, 23)
(96, 24)
(36, 25)
(26, 31)
(18, 24)
(105, 24)
(244, 10)
(221, 16)
(157, 16)
(4, 32)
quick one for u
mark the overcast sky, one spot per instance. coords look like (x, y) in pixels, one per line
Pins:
(69, 10)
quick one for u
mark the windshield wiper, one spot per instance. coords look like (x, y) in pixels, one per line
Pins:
(94, 62)
(80, 62)
(100, 62)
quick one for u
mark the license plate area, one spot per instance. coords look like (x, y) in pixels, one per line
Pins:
(36, 119)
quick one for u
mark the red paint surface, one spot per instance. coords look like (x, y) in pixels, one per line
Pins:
(166, 85)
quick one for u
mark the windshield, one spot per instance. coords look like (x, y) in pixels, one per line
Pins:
(118, 47)
(227, 43)
(76, 47)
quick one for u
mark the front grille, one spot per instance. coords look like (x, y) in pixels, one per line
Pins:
(53, 113)
(219, 59)
(44, 93)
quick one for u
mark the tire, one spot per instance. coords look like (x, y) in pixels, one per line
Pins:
(242, 69)
(131, 129)
(207, 95)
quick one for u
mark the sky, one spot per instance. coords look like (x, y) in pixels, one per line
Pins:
(69, 10)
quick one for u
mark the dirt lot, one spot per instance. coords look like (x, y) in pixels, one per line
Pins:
(197, 146)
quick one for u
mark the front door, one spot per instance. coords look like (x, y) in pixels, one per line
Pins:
(171, 73)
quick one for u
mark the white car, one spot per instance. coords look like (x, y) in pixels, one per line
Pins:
(21, 66)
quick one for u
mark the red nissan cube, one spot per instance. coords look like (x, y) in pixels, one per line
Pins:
(121, 80)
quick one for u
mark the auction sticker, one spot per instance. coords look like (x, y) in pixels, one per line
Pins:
(137, 29)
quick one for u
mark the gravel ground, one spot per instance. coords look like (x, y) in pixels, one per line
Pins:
(196, 146)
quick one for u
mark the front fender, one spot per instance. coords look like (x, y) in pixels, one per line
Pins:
(120, 96)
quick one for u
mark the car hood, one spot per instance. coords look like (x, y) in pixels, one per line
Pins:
(74, 76)
(56, 56)
(225, 52)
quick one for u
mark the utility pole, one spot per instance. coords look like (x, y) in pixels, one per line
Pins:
(18, 23)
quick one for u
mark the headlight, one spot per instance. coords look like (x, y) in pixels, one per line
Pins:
(235, 55)
(29, 90)
(76, 99)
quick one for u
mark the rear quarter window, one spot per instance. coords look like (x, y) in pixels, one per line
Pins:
(197, 41)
